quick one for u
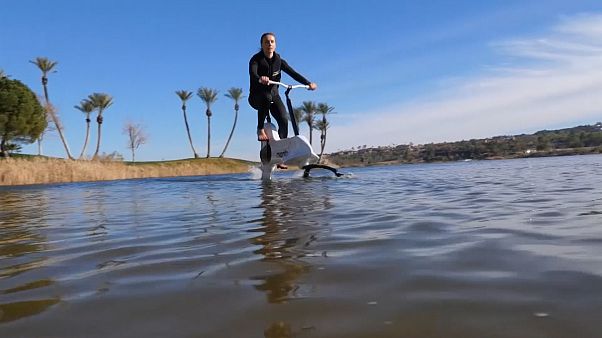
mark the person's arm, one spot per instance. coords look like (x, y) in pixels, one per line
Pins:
(284, 66)
(290, 71)
(253, 67)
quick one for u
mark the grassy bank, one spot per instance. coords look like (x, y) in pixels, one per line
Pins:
(36, 170)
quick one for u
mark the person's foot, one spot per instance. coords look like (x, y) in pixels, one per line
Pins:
(281, 166)
(261, 135)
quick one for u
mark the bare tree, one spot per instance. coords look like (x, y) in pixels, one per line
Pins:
(136, 137)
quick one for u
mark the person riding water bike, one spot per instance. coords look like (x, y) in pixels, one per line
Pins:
(266, 66)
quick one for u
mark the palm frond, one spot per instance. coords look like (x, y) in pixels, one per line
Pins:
(324, 109)
(235, 94)
(100, 101)
(85, 106)
(184, 95)
(322, 125)
(208, 95)
(309, 109)
(44, 64)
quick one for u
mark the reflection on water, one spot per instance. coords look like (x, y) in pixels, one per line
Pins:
(477, 249)
(13, 311)
(287, 234)
(279, 330)
(22, 250)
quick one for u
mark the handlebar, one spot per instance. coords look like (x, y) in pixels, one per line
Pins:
(287, 85)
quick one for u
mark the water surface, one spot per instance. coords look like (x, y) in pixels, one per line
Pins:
(507, 248)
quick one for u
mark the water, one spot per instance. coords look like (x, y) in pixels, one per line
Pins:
(471, 249)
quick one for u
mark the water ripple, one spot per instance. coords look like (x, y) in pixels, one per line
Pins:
(466, 245)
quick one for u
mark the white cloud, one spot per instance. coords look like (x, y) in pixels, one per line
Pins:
(555, 80)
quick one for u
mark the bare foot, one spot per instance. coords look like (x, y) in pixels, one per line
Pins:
(281, 166)
(261, 135)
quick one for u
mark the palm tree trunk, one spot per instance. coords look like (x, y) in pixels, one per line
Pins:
(87, 137)
(322, 146)
(40, 145)
(99, 121)
(231, 133)
(45, 86)
(208, 135)
(59, 129)
(188, 131)
(133, 155)
(310, 133)
(54, 118)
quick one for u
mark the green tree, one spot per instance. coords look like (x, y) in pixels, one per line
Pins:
(22, 118)
(429, 152)
(185, 95)
(323, 124)
(543, 142)
(3, 74)
(236, 95)
(101, 102)
(309, 110)
(87, 107)
(209, 96)
(46, 66)
(574, 140)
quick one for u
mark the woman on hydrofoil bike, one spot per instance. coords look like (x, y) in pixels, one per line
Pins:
(267, 66)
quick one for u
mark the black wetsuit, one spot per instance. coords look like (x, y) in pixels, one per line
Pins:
(266, 98)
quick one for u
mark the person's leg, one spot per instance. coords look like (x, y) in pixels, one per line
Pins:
(279, 113)
(263, 110)
(261, 115)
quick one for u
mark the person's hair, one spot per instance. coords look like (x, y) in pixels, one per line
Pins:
(263, 36)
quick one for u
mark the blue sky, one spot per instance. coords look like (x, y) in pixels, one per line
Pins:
(396, 72)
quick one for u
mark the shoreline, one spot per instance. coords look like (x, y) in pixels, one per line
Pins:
(22, 171)
(539, 154)
(33, 170)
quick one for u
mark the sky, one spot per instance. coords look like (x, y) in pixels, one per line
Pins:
(395, 71)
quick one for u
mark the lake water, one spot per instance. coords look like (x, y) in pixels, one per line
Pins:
(509, 248)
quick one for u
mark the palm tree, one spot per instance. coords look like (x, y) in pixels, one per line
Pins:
(100, 101)
(87, 107)
(209, 96)
(184, 95)
(46, 66)
(309, 109)
(323, 124)
(236, 95)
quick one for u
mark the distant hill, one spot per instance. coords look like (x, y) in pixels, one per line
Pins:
(569, 141)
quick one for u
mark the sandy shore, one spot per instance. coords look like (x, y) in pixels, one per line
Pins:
(25, 171)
